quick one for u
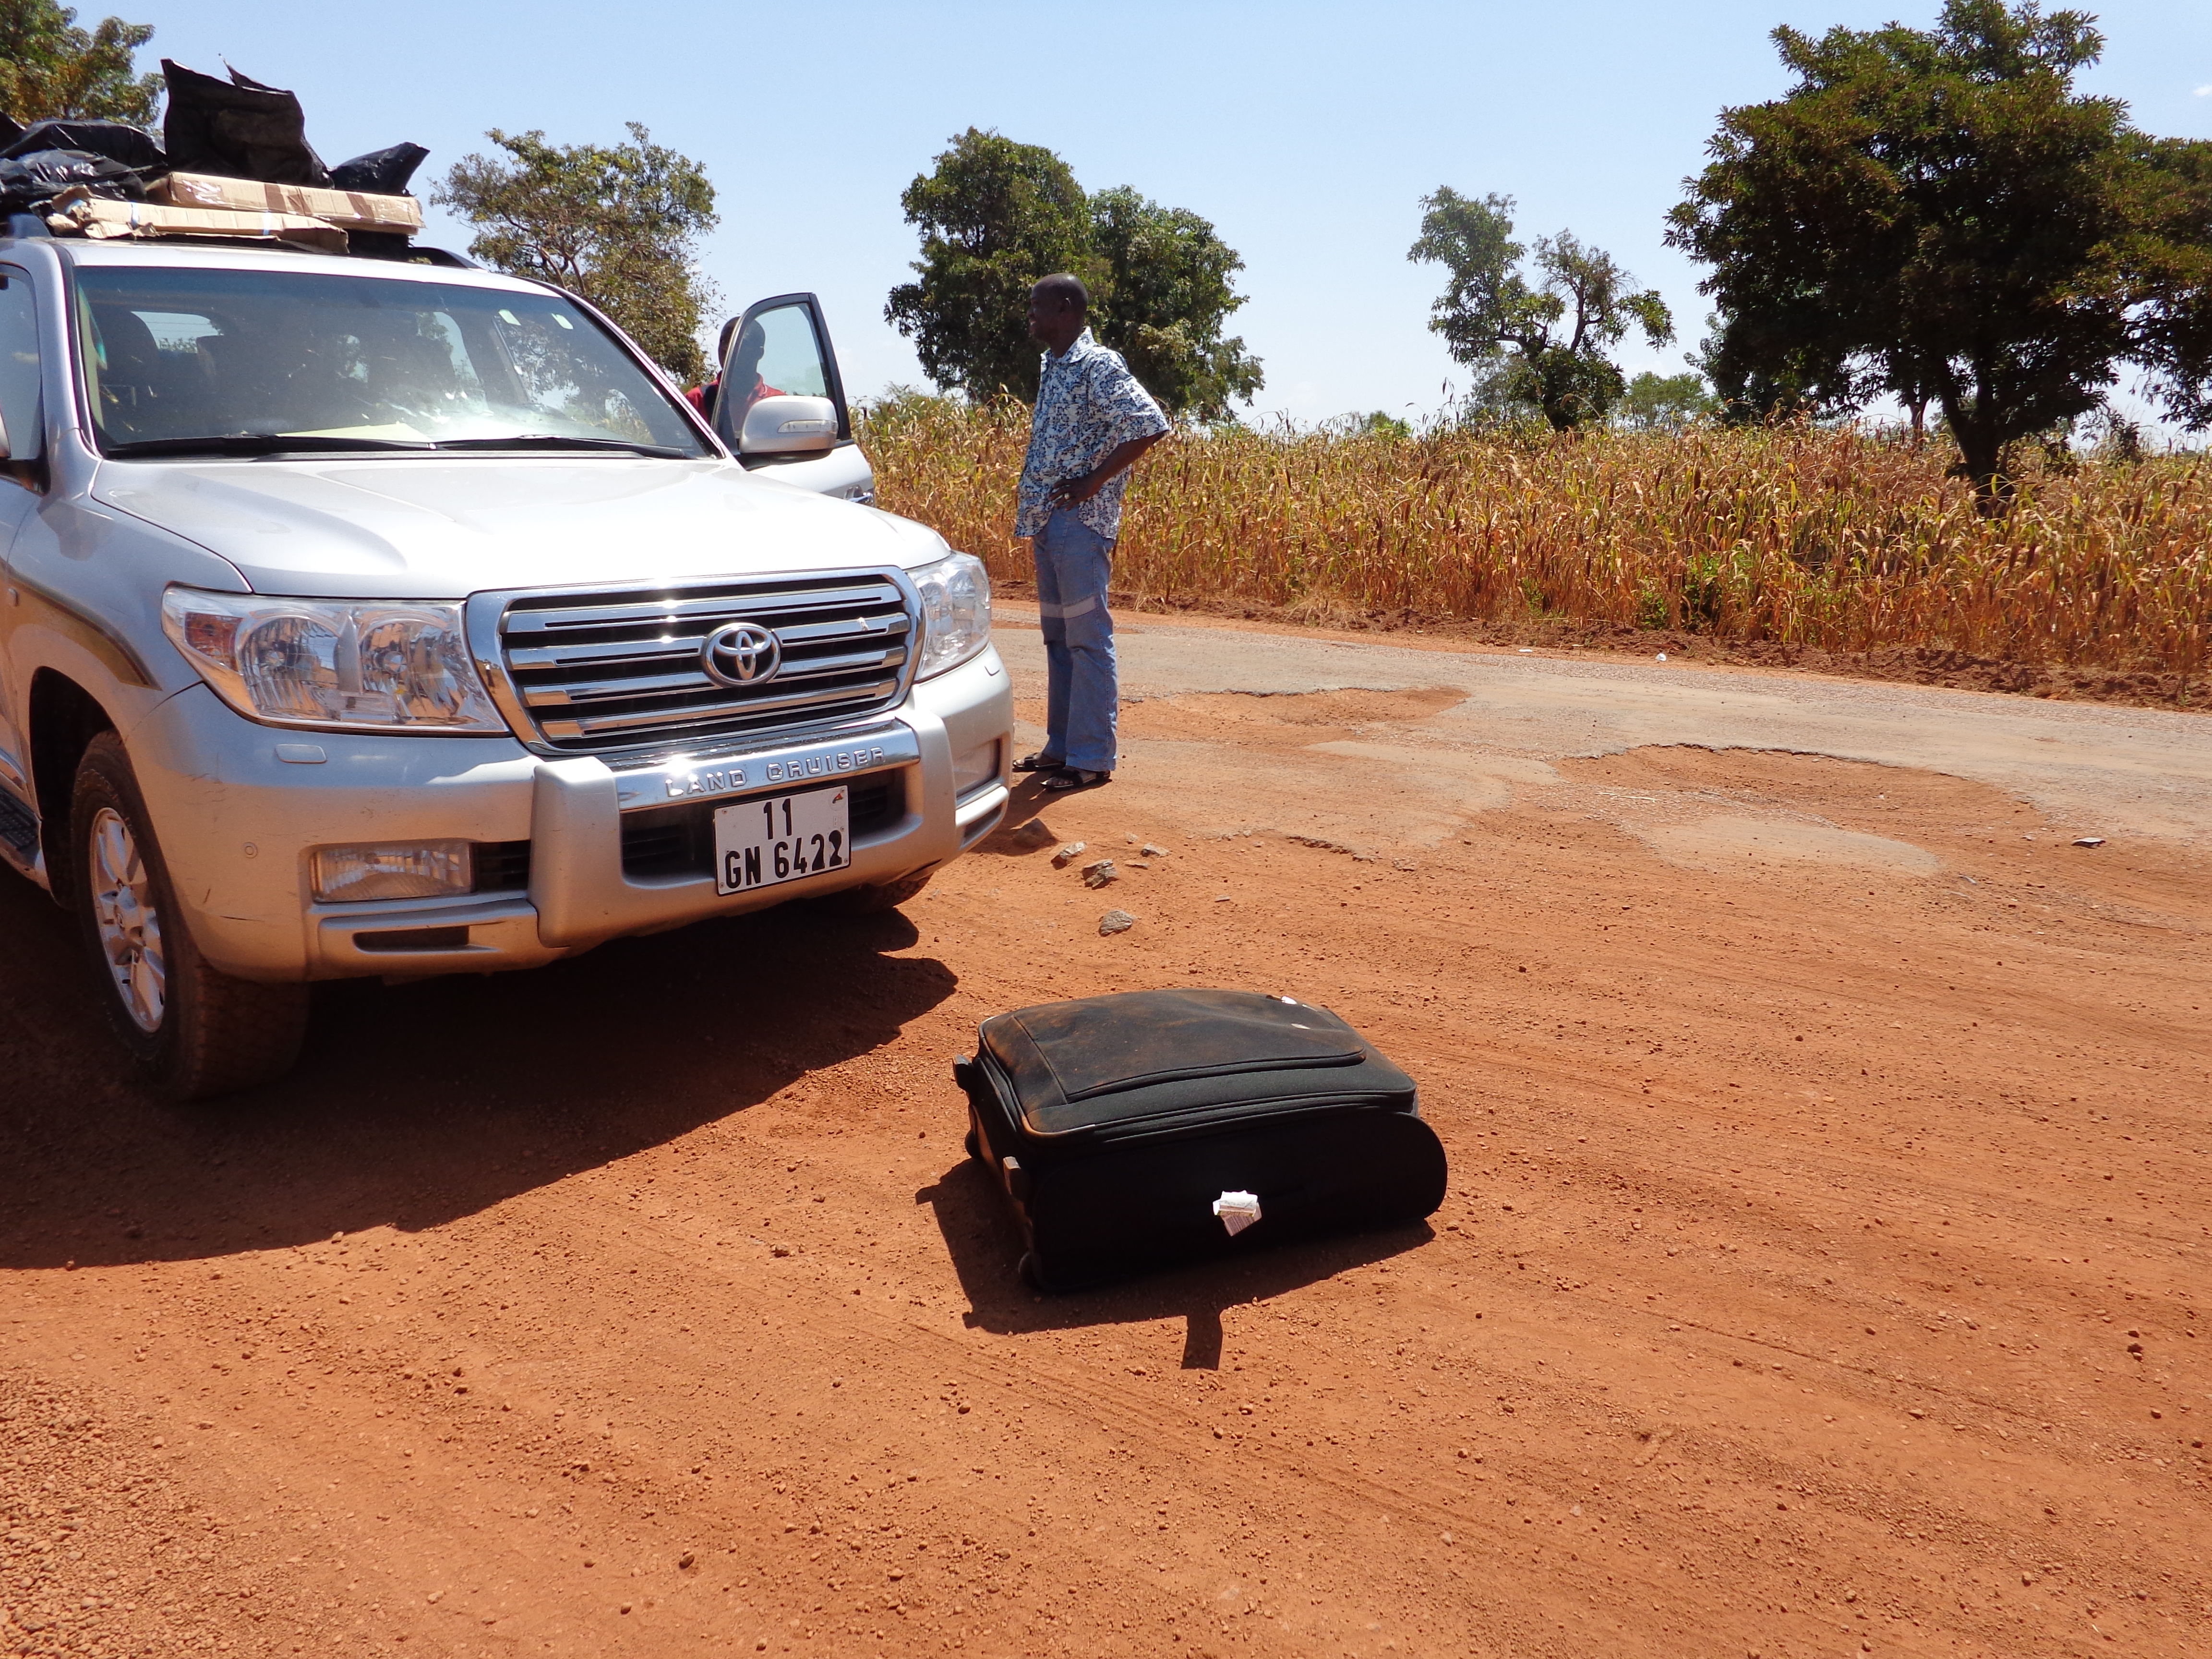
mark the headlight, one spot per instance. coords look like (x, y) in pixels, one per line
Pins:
(389, 664)
(955, 611)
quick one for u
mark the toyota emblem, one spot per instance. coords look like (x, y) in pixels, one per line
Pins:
(744, 654)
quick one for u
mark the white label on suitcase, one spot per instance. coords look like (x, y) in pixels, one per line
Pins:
(1237, 1211)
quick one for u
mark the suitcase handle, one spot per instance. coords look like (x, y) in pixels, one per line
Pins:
(1017, 1181)
(968, 1077)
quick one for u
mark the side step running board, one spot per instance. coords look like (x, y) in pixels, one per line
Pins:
(19, 836)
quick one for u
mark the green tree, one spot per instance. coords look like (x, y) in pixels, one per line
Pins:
(995, 215)
(1663, 402)
(2173, 332)
(1496, 400)
(51, 69)
(1559, 331)
(1939, 216)
(1167, 294)
(617, 224)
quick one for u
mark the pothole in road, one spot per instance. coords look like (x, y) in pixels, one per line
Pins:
(1726, 842)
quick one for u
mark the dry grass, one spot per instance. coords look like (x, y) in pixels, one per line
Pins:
(1824, 539)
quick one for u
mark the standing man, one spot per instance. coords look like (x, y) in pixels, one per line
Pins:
(1092, 420)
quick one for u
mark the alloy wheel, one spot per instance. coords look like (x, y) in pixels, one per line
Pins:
(129, 924)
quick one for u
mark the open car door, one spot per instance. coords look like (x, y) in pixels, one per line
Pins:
(780, 403)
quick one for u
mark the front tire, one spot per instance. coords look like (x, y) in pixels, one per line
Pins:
(193, 1030)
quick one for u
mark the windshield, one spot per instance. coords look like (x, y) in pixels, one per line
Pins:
(173, 356)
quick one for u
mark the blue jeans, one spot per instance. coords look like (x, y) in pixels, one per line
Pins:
(1082, 696)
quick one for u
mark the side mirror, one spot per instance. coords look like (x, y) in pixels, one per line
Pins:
(789, 426)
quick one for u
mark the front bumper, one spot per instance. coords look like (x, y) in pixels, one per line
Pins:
(236, 824)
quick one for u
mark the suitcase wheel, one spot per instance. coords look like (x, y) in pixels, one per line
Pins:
(973, 1141)
(1032, 1272)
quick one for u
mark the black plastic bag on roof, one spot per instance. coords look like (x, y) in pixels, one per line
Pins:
(237, 129)
(11, 129)
(383, 172)
(27, 183)
(117, 141)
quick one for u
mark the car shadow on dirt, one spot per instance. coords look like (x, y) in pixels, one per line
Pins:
(417, 1103)
(1026, 804)
(986, 1247)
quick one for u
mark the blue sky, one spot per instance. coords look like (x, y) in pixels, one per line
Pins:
(1308, 133)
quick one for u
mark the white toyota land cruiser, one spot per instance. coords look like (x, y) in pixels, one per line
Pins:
(381, 617)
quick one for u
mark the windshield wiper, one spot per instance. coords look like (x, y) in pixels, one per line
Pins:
(255, 443)
(555, 441)
(278, 443)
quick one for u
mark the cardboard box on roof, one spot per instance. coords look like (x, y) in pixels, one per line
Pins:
(353, 209)
(78, 212)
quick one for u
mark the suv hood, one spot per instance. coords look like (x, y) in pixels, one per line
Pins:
(447, 527)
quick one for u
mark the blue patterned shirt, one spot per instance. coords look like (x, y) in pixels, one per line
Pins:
(1087, 403)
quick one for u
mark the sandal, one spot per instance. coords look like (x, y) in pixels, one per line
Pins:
(1037, 763)
(1070, 777)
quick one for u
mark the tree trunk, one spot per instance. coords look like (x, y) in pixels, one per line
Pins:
(1981, 459)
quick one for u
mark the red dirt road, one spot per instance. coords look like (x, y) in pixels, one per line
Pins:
(1824, 1271)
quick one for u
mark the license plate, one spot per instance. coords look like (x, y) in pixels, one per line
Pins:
(776, 838)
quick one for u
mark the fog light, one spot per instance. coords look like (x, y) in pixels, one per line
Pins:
(399, 869)
(978, 767)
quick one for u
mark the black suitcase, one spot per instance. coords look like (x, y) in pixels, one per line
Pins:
(1129, 1131)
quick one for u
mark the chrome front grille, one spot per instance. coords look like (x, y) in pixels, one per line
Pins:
(618, 669)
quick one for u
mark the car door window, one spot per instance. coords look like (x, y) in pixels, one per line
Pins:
(20, 406)
(778, 353)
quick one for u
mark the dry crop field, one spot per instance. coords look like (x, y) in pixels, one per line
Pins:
(1821, 537)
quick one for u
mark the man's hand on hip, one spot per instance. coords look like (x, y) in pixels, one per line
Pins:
(1073, 492)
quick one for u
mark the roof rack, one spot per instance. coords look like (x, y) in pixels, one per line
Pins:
(206, 208)
(19, 226)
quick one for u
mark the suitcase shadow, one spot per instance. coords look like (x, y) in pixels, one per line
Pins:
(985, 1246)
